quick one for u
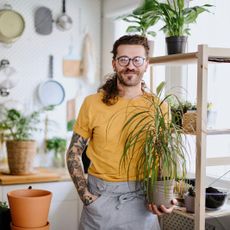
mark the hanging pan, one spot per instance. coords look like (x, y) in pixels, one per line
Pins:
(43, 21)
(12, 25)
(64, 22)
(51, 92)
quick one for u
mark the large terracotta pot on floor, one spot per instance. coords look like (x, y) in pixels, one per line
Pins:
(29, 207)
(46, 227)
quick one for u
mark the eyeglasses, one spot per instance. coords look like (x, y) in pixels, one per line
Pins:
(125, 60)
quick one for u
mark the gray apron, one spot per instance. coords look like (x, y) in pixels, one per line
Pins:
(120, 206)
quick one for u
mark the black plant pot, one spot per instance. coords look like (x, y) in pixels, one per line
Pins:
(5, 218)
(175, 44)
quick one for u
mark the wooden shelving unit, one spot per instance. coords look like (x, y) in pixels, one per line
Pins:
(201, 58)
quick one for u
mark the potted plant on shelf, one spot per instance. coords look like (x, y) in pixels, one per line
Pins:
(159, 147)
(189, 199)
(58, 145)
(190, 116)
(179, 108)
(176, 17)
(18, 129)
(141, 24)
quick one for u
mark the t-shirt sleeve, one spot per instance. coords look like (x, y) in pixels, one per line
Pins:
(82, 124)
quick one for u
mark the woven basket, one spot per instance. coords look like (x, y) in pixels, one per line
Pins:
(20, 156)
(189, 122)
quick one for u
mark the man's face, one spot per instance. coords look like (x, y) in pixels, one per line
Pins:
(130, 73)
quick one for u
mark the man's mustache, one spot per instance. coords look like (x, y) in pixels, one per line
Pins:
(129, 71)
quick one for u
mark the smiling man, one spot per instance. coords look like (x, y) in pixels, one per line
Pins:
(111, 201)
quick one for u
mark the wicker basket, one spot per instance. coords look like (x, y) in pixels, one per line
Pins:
(20, 155)
(189, 122)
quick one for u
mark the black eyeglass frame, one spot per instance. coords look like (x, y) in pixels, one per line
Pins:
(131, 59)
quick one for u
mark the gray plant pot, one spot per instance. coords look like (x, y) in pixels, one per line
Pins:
(162, 193)
(189, 203)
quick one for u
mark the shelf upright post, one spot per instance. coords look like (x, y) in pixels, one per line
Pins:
(202, 75)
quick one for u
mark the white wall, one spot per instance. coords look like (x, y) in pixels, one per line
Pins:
(29, 54)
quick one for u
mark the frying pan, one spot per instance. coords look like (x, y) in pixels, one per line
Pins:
(64, 22)
(12, 25)
(51, 92)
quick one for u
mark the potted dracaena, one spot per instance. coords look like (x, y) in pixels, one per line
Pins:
(176, 16)
(18, 129)
(159, 145)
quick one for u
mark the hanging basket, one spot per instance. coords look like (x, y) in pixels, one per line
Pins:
(189, 122)
(20, 156)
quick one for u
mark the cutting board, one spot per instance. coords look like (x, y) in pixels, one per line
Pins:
(71, 64)
(40, 175)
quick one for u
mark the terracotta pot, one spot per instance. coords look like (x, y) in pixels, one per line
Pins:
(29, 207)
(46, 227)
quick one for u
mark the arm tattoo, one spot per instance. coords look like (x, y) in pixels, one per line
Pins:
(74, 164)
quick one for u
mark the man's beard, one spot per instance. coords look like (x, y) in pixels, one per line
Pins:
(128, 81)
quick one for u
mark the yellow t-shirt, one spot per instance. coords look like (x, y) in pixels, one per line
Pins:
(103, 125)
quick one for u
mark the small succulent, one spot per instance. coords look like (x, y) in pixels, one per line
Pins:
(191, 191)
(3, 204)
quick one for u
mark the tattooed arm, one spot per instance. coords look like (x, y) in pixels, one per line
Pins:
(76, 171)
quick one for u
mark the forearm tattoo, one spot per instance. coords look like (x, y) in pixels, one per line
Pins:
(74, 164)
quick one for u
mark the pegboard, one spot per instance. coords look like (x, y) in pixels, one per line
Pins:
(29, 55)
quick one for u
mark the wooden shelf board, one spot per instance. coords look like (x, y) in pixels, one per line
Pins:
(184, 58)
(217, 131)
(215, 161)
(39, 175)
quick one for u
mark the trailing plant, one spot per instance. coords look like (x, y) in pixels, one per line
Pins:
(18, 126)
(156, 141)
(174, 14)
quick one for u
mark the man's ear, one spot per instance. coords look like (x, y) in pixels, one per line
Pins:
(114, 64)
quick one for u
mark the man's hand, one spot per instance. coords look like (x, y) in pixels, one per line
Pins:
(89, 198)
(162, 209)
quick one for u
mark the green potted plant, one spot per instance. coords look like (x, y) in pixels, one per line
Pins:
(190, 115)
(58, 145)
(18, 129)
(176, 17)
(179, 108)
(159, 147)
(142, 24)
